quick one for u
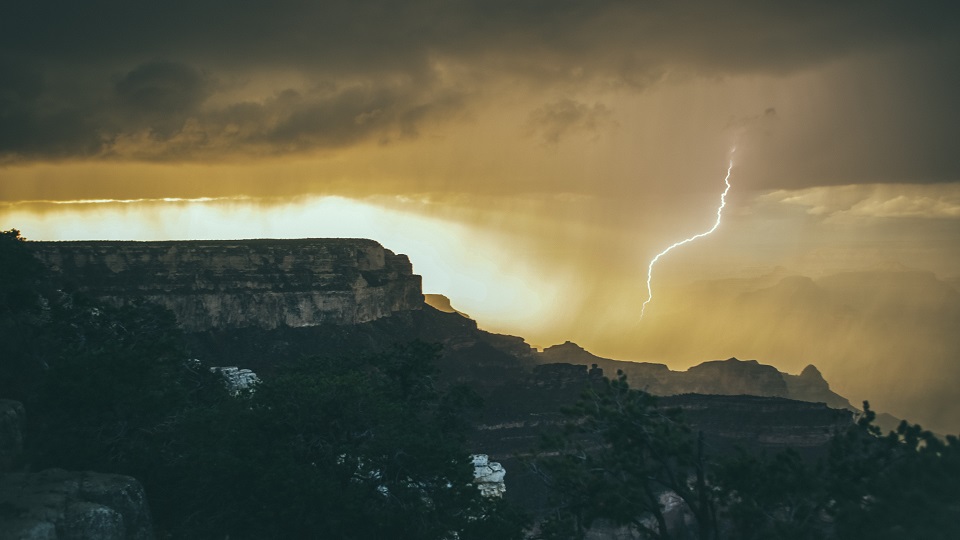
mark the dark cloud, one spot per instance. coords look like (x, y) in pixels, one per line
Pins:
(160, 96)
(90, 82)
(331, 119)
(555, 121)
(894, 120)
(162, 87)
(157, 111)
(34, 122)
(351, 35)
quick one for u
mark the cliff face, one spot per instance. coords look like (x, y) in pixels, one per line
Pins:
(243, 283)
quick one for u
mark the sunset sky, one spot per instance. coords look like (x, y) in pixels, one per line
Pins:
(532, 157)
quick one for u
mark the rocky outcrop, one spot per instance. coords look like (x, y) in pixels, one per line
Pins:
(651, 377)
(488, 476)
(61, 505)
(733, 377)
(11, 433)
(243, 283)
(810, 385)
(237, 380)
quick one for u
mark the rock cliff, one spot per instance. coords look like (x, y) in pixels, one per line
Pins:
(63, 505)
(243, 283)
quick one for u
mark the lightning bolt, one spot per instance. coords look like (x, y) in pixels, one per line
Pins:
(723, 202)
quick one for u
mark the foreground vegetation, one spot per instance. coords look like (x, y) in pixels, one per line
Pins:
(371, 447)
(625, 463)
(342, 448)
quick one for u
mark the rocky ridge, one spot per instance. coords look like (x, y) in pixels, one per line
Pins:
(243, 283)
(720, 377)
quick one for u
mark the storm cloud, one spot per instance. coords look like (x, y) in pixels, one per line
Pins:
(189, 81)
(558, 120)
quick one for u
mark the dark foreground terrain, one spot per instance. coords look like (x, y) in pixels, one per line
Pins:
(370, 400)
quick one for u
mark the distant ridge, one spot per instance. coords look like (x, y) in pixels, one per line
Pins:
(442, 303)
(716, 377)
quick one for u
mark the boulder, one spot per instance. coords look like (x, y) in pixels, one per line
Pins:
(61, 505)
(488, 475)
(237, 379)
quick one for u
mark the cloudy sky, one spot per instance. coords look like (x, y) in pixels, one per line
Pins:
(531, 157)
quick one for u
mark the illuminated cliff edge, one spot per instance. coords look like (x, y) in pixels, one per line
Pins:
(244, 283)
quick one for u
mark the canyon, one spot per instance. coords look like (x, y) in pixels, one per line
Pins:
(254, 304)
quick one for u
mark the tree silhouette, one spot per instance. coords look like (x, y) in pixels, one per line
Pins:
(619, 460)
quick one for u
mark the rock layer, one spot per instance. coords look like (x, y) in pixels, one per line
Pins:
(243, 283)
